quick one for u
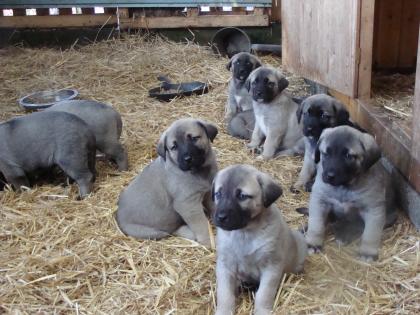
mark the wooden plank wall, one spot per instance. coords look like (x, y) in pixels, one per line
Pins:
(395, 34)
(321, 43)
(275, 15)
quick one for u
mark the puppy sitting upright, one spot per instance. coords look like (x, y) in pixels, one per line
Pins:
(239, 113)
(350, 181)
(167, 197)
(275, 114)
(254, 243)
(317, 113)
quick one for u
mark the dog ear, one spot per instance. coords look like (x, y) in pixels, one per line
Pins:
(161, 146)
(372, 152)
(271, 191)
(282, 83)
(229, 64)
(341, 113)
(247, 84)
(210, 129)
(317, 153)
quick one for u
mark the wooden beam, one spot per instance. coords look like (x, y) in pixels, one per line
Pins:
(196, 21)
(415, 141)
(56, 21)
(367, 11)
(275, 15)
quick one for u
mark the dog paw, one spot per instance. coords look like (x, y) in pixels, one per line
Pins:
(312, 249)
(262, 311)
(368, 258)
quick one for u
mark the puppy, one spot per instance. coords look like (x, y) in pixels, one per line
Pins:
(275, 114)
(167, 197)
(351, 182)
(238, 113)
(254, 243)
(317, 113)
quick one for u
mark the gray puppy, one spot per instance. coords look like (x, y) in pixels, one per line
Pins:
(167, 197)
(275, 114)
(254, 243)
(42, 140)
(106, 124)
(239, 113)
(350, 182)
(317, 113)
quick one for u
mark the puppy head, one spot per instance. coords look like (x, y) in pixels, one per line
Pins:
(265, 83)
(240, 193)
(187, 143)
(242, 64)
(319, 112)
(345, 154)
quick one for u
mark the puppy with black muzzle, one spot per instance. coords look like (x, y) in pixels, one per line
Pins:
(239, 114)
(317, 113)
(167, 197)
(275, 114)
(254, 244)
(351, 182)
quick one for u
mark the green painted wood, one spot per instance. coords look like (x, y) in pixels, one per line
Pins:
(9, 4)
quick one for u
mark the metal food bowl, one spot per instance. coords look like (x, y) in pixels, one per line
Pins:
(44, 99)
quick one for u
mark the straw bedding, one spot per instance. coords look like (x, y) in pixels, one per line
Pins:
(60, 255)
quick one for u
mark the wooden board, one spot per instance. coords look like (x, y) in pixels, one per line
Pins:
(320, 41)
(125, 22)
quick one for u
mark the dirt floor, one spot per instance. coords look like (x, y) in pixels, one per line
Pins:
(61, 255)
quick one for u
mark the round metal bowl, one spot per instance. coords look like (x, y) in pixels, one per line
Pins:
(44, 99)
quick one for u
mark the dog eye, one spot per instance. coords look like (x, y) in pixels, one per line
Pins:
(174, 147)
(248, 63)
(324, 153)
(194, 139)
(270, 84)
(350, 156)
(325, 116)
(242, 196)
(217, 195)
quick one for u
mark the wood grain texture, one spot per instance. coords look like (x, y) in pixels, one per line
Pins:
(320, 41)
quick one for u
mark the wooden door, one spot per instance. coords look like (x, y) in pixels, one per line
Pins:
(330, 42)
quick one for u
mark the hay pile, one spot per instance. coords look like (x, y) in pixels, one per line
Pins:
(61, 255)
(395, 94)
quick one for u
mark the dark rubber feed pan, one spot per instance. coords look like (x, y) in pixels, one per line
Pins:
(44, 99)
(168, 91)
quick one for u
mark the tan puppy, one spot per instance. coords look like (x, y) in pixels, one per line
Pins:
(254, 243)
(167, 197)
(275, 114)
(350, 182)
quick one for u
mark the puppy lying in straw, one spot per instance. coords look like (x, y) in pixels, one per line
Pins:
(275, 115)
(350, 182)
(167, 197)
(254, 244)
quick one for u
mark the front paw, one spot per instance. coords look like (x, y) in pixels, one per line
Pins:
(314, 249)
(262, 311)
(368, 257)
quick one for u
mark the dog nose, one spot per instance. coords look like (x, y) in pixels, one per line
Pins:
(221, 216)
(259, 93)
(187, 158)
(330, 175)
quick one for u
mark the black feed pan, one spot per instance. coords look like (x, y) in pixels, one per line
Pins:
(168, 91)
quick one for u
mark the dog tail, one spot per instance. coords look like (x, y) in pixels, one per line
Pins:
(301, 250)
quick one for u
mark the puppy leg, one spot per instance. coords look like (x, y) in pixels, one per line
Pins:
(185, 232)
(269, 283)
(318, 213)
(256, 138)
(242, 125)
(371, 237)
(271, 144)
(306, 173)
(143, 232)
(230, 108)
(226, 288)
(193, 215)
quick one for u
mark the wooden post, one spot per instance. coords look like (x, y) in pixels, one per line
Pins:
(414, 175)
(275, 11)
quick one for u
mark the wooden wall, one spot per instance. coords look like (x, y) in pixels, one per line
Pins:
(396, 34)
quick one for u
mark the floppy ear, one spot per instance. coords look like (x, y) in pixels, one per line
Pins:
(161, 146)
(229, 65)
(271, 191)
(372, 152)
(282, 83)
(317, 153)
(248, 84)
(341, 113)
(210, 129)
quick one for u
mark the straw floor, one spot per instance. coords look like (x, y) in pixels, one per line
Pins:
(60, 255)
